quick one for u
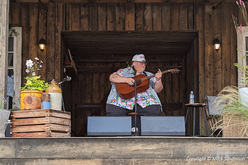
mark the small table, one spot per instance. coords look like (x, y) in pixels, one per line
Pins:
(196, 106)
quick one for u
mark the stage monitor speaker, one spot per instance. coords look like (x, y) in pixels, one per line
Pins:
(162, 126)
(109, 126)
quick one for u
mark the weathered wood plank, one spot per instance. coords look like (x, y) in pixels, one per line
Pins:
(42, 34)
(68, 16)
(139, 17)
(89, 86)
(174, 9)
(165, 17)
(58, 55)
(39, 113)
(183, 84)
(148, 17)
(51, 42)
(40, 128)
(183, 22)
(199, 26)
(120, 1)
(75, 16)
(84, 17)
(216, 28)
(102, 17)
(208, 56)
(93, 17)
(175, 88)
(45, 120)
(25, 37)
(96, 84)
(120, 17)
(33, 23)
(190, 17)
(168, 88)
(156, 21)
(15, 15)
(129, 16)
(225, 58)
(111, 15)
(233, 11)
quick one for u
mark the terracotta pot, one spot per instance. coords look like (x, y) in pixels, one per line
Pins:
(30, 99)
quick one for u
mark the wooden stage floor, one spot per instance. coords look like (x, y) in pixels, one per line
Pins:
(132, 150)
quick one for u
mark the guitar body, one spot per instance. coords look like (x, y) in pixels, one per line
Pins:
(127, 92)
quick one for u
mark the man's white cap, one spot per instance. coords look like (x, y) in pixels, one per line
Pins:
(139, 57)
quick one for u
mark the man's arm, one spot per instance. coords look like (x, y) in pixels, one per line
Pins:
(115, 78)
(158, 86)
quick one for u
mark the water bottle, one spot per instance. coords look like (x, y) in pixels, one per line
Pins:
(191, 97)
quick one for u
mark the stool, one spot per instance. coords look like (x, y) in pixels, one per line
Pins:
(196, 106)
(132, 114)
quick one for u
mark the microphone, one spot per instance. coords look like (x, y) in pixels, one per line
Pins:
(133, 68)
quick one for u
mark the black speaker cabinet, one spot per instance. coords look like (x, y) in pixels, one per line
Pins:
(109, 126)
(162, 126)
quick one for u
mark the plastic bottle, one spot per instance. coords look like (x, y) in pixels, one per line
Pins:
(191, 97)
(55, 95)
(45, 101)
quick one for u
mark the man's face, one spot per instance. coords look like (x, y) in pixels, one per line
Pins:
(139, 66)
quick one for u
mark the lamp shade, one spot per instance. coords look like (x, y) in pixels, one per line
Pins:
(42, 44)
(216, 43)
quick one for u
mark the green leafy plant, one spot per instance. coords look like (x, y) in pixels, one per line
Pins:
(33, 80)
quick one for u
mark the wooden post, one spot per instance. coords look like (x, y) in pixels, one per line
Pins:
(4, 28)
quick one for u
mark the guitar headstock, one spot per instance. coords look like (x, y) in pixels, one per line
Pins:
(174, 70)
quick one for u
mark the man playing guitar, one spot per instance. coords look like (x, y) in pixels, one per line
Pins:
(148, 103)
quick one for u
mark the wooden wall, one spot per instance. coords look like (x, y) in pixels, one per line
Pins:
(214, 70)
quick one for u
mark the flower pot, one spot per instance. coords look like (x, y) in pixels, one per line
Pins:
(30, 99)
(4, 117)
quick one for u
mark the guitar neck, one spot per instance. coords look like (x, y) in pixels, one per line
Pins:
(148, 77)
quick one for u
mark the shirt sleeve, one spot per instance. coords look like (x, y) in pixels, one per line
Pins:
(120, 72)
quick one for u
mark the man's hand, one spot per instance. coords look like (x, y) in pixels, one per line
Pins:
(130, 81)
(158, 75)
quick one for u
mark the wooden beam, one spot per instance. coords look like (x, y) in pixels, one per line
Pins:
(120, 1)
(111, 69)
(121, 58)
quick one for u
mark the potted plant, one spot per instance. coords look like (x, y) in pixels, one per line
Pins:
(4, 113)
(34, 87)
(234, 109)
(232, 100)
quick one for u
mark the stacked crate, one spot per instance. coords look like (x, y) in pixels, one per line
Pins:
(40, 123)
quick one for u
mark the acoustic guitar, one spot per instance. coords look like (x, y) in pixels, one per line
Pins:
(126, 91)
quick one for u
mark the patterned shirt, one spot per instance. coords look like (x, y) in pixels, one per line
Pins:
(144, 99)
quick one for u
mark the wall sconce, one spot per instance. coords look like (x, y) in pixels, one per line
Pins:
(216, 43)
(42, 44)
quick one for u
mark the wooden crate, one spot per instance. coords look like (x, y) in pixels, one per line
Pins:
(40, 123)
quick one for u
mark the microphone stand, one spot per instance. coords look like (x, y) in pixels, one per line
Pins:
(135, 101)
(64, 80)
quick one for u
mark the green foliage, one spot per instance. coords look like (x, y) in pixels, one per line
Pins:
(33, 80)
(34, 83)
(12, 31)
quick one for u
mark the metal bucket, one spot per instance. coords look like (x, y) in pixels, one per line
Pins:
(4, 117)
